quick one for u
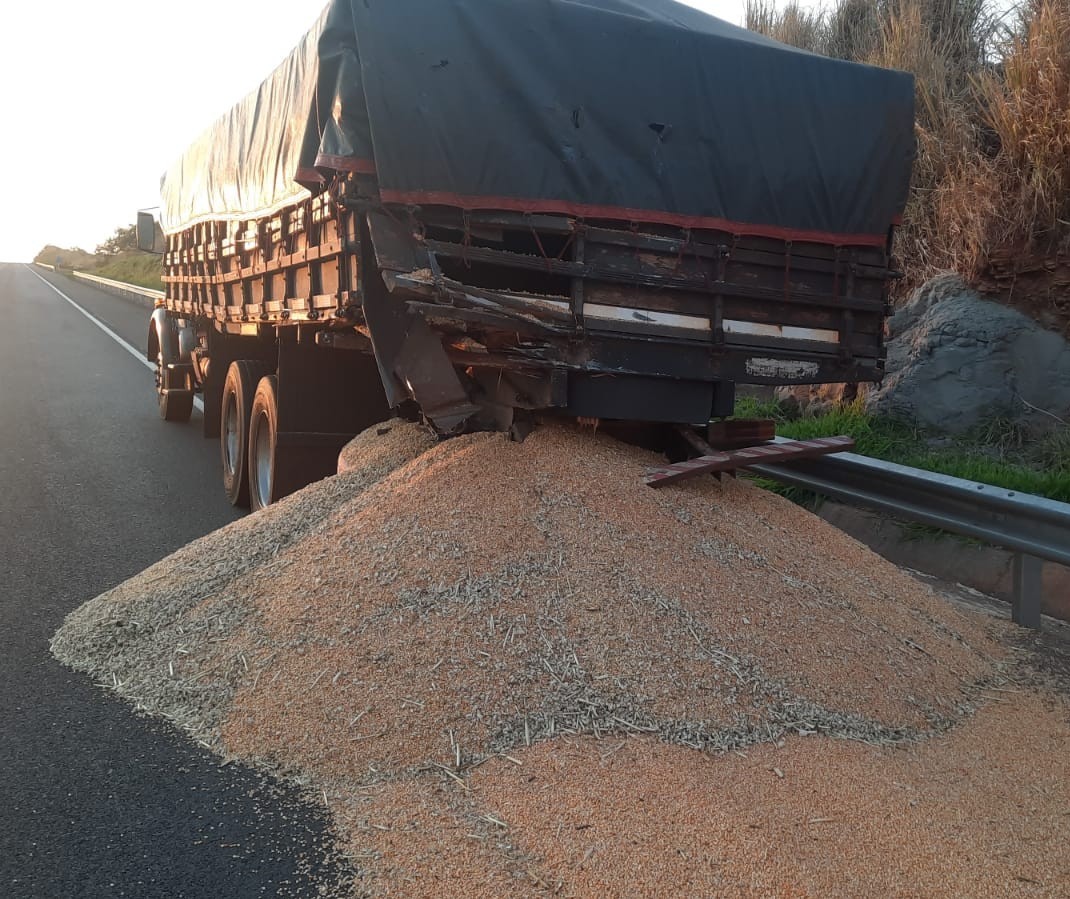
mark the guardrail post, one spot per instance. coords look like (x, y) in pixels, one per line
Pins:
(1027, 591)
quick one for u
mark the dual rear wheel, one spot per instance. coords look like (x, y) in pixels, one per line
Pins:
(248, 435)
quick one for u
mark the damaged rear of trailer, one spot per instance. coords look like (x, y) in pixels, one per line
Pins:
(481, 209)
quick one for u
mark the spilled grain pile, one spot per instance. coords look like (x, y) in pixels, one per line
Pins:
(443, 619)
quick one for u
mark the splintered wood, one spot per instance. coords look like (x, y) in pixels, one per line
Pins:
(512, 669)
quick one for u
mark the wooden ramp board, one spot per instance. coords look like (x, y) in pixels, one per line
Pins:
(730, 460)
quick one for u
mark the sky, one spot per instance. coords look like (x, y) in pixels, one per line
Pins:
(98, 99)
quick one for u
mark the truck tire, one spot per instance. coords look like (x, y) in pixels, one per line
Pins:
(236, 409)
(264, 482)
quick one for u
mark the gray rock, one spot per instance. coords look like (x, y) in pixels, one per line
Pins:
(955, 359)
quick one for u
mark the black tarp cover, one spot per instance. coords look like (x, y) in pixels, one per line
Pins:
(246, 164)
(639, 110)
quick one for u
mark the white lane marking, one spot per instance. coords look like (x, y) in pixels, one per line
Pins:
(132, 350)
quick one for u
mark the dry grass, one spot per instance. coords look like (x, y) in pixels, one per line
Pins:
(1028, 107)
(992, 178)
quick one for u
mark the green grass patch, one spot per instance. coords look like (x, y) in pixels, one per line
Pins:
(142, 269)
(1000, 453)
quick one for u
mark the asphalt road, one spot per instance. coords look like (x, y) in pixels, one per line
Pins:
(96, 801)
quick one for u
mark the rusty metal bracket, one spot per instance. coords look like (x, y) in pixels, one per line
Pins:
(731, 460)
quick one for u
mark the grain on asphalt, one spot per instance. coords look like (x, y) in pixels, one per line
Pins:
(421, 634)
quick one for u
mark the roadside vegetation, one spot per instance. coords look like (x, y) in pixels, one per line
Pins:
(70, 258)
(991, 191)
(117, 258)
(1000, 452)
(990, 198)
(143, 269)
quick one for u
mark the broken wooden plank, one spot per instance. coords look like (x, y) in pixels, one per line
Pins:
(730, 460)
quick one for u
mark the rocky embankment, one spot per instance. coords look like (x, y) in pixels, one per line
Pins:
(957, 360)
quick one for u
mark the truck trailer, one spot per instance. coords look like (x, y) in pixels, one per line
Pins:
(480, 212)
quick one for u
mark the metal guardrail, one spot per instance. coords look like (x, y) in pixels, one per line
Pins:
(1033, 527)
(144, 295)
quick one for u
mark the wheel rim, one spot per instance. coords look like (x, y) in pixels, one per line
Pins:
(262, 457)
(230, 435)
